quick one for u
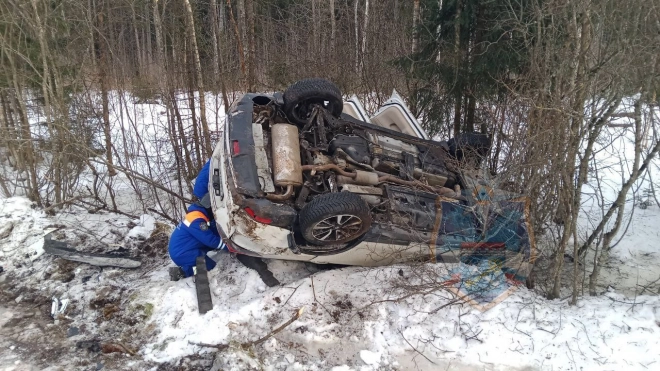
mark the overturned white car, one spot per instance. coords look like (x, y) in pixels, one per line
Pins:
(302, 175)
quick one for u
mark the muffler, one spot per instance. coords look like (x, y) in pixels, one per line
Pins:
(287, 170)
(361, 178)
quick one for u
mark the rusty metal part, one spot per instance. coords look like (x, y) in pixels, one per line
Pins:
(432, 179)
(345, 180)
(442, 191)
(392, 179)
(345, 156)
(361, 178)
(366, 177)
(361, 189)
(320, 159)
(372, 195)
(286, 155)
(283, 197)
(327, 167)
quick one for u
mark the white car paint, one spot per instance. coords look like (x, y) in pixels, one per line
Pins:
(395, 115)
(272, 242)
(354, 108)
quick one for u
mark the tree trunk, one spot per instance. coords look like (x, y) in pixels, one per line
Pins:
(573, 190)
(243, 35)
(160, 51)
(457, 113)
(103, 72)
(620, 203)
(200, 80)
(333, 28)
(365, 34)
(239, 43)
(458, 95)
(251, 58)
(357, 38)
(469, 116)
(139, 48)
(47, 91)
(415, 34)
(182, 134)
(214, 42)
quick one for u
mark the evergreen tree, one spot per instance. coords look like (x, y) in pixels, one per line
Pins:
(469, 52)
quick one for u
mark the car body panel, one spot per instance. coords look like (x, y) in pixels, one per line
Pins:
(239, 127)
(375, 254)
(395, 115)
(354, 108)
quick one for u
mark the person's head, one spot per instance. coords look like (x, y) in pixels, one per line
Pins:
(205, 202)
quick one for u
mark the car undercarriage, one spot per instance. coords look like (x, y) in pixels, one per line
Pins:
(335, 181)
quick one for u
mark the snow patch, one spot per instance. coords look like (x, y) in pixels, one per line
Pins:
(145, 225)
(369, 357)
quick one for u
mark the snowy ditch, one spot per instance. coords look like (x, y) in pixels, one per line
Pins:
(339, 327)
(354, 319)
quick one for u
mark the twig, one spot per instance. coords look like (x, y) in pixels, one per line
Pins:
(585, 332)
(572, 358)
(453, 301)
(396, 300)
(177, 318)
(248, 344)
(646, 287)
(299, 312)
(65, 202)
(122, 347)
(290, 296)
(315, 300)
(624, 302)
(415, 349)
(163, 215)
(216, 346)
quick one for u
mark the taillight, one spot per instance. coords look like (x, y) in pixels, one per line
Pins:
(256, 217)
(236, 147)
(230, 247)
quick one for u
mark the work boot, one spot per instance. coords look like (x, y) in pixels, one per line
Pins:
(176, 273)
(258, 265)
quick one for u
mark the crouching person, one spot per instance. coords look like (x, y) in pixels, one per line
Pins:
(195, 236)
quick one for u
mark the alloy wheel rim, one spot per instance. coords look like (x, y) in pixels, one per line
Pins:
(337, 228)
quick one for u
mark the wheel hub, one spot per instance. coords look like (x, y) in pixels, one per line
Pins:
(337, 227)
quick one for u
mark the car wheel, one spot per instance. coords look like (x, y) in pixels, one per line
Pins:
(300, 97)
(334, 219)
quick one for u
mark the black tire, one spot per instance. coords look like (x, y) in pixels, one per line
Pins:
(344, 215)
(300, 96)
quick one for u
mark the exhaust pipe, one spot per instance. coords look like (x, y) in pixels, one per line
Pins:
(287, 167)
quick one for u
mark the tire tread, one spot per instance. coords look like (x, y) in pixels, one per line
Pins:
(314, 88)
(332, 204)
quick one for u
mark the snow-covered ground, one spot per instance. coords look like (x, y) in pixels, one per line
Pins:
(354, 318)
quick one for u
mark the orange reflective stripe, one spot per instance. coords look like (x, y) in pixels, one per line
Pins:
(192, 216)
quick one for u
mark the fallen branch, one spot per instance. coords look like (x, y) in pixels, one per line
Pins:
(163, 215)
(277, 330)
(415, 349)
(205, 345)
(249, 344)
(116, 348)
(52, 207)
